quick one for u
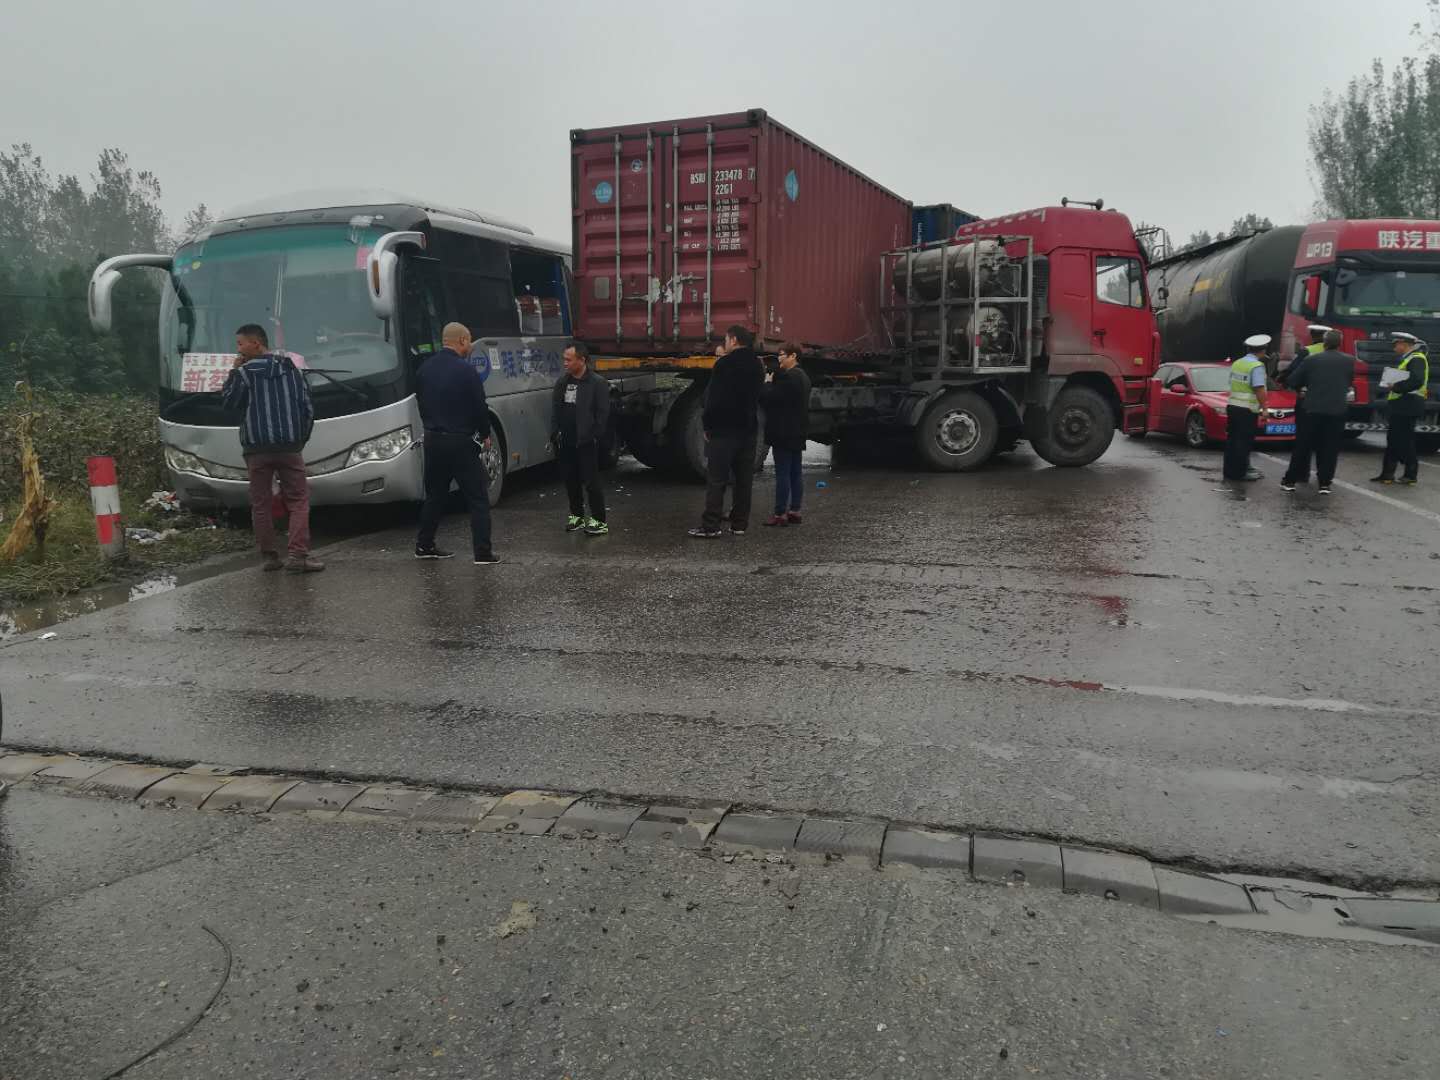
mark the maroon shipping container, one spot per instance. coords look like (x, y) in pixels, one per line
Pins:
(719, 220)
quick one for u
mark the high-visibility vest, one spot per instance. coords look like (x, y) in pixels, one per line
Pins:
(1404, 365)
(1242, 394)
(1319, 346)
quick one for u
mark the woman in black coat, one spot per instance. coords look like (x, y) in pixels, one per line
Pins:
(786, 401)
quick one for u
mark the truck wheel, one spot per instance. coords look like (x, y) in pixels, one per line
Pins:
(1078, 428)
(607, 452)
(687, 439)
(958, 432)
(1195, 434)
(493, 459)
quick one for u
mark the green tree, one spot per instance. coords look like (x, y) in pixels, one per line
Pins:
(53, 231)
(1375, 146)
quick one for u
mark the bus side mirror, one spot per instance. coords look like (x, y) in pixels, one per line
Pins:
(102, 285)
(382, 268)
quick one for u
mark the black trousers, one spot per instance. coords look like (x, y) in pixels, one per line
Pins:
(1303, 447)
(729, 455)
(1239, 438)
(454, 458)
(1400, 447)
(582, 478)
(1321, 437)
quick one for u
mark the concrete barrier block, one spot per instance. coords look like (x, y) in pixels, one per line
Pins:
(1197, 894)
(593, 817)
(1111, 875)
(758, 833)
(317, 799)
(1017, 862)
(249, 794)
(856, 840)
(529, 813)
(453, 811)
(125, 781)
(683, 826)
(927, 847)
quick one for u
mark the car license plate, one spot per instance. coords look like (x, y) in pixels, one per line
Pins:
(1279, 429)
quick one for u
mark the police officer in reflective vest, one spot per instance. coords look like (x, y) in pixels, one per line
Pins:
(1245, 409)
(1289, 379)
(1407, 405)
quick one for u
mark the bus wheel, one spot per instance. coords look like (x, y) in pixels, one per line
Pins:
(492, 457)
(1078, 428)
(958, 432)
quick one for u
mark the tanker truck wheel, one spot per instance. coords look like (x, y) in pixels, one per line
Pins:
(1077, 429)
(958, 432)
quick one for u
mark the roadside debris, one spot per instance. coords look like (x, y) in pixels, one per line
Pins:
(149, 536)
(520, 919)
(164, 501)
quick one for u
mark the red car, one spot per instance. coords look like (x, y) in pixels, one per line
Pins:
(1189, 400)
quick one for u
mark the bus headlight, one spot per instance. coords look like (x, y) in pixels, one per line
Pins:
(381, 448)
(180, 461)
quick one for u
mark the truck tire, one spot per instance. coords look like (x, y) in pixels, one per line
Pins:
(1078, 428)
(687, 438)
(958, 432)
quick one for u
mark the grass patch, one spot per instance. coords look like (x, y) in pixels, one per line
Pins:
(73, 560)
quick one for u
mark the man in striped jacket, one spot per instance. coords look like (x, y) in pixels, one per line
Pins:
(278, 417)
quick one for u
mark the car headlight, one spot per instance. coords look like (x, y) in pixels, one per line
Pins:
(381, 448)
(180, 461)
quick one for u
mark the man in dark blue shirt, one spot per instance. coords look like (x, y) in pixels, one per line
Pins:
(451, 396)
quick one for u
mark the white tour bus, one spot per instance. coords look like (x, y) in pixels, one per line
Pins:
(356, 286)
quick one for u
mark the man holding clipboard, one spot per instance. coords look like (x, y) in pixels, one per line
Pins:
(1409, 385)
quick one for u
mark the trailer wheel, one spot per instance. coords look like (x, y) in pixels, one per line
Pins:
(958, 432)
(1078, 428)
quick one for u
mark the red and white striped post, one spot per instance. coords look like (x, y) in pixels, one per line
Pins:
(105, 498)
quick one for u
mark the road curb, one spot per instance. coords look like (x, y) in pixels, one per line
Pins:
(1012, 861)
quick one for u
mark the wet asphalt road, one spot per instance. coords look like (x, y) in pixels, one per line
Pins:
(363, 951)
(1130, 655)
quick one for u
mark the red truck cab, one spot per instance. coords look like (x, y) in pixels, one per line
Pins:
(1098, 325)
(1366, 279)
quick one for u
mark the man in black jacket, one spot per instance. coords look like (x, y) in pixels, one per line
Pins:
(1325, 379)
(451, 396)
(580, 413)
(731, 421)
(787, 419)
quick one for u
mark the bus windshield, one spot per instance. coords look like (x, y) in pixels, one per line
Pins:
(1388, 292)
(305, 284)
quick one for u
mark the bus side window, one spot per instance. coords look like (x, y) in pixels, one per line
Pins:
(420, 314)
(484, 304)
(538, 279)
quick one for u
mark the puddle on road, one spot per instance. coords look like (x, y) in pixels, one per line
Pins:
(28, 618)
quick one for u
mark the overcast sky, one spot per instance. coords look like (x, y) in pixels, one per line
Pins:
(1186, 115)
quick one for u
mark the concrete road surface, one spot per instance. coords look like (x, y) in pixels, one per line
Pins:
(1132, 655)
(369, 951)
